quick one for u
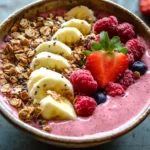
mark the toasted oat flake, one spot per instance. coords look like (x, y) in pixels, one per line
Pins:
(59, 18)
(37, 42)
(24, 95)
(15, 102)
(19, 69)
(25, 75)
(47, 128)
(45, 30)
(24, 23)
(1, 72)
(48, 23)
(41, 19)
(5, 88)
(54, 95)
(8, 48)
(3, 81)
(12, 71)
(22, 57)
(32, 33)
(13, 79)
(14, 29)
(37, 112)
(30, 53)
(25, 42)
(25, 114)
(55, 28)
(15, 35)
(7, 66)
(15, 42)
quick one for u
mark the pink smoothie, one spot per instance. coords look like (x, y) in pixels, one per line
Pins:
(108, 116)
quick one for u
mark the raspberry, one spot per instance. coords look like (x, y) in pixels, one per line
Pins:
(84, 82)
(97, 39)
(125, 31)
(115, 89)
(108, 24)
(84, 105)
(127, 79)
(135, 48)
(130, 58)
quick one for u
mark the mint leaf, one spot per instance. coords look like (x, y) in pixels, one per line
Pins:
(108, 45)
(124, 50)
(86, 52)
(104, 40)
(96, 46)
(115, 43)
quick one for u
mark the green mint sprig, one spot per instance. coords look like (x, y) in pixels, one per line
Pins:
(107, 45)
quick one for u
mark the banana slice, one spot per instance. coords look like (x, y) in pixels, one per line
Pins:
(49, 60)
(81, 25)
(57, 109)
(56, 47)
(53, 82)
(68, 35)
(82, 12)
(37, 75)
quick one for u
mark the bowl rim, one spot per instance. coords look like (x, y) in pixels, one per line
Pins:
(72, 140)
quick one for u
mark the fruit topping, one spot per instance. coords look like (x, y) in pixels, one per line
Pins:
(83, 82)
(68, 35)
(115, 89)
(83, 26)
(139, 67)
(42, 81)
(82, 12)
(49, 60)
(145, 7)
(125, 31)
(127, 79)
(57, 108)
(84, 105)
(106, 61)
(135, 48)
(55, 47)
(108, 24)
(99, 97)
(97, 39)
(130, 58)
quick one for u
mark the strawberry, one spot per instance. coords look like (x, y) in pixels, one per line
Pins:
(145, 7)
(107, 59)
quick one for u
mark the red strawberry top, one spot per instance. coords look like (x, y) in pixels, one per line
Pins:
(107, 60)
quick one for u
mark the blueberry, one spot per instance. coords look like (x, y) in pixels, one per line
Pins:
(100, 97)
(140, 67)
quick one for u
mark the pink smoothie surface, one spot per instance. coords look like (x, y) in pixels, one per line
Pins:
(115, 112)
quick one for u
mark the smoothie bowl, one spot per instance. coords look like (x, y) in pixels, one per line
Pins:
(74, 73)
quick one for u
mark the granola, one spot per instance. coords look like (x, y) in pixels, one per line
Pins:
(25, 37)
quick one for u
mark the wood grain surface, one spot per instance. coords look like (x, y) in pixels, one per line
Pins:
(13, 139)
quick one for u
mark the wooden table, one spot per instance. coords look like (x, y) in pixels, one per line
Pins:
(13, 139)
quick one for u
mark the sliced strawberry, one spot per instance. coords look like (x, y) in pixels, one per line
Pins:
(107, 59)
(145, 7)
(106, 66)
